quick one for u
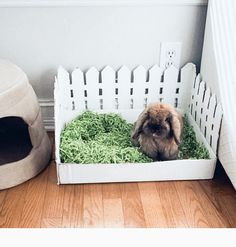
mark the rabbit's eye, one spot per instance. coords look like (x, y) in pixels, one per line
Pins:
(167, 119)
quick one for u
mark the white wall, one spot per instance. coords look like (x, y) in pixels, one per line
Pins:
(39, 39)
(208, 69)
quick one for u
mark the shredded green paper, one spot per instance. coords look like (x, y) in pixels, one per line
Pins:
(190, 148)
(106, 138)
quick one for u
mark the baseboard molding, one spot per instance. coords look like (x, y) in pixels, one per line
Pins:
(88, 3)
(49, 124)
(47, 109)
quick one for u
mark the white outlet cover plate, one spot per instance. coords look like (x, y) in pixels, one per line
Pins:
(170, 54)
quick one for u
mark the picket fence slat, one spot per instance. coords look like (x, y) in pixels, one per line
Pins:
(199, 107)
(123, 81)
(64, 88)
(153, 85)
(170, 85)
(78, 90)
(216, 127)
(194, 99)
(107, 99)
(205, 109)
(210, 120)
(187, 77)
(92, 89)
(138, 87)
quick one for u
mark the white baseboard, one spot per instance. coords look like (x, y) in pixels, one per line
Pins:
(47, 109)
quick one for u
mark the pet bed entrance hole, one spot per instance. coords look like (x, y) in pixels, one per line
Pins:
(15, 143)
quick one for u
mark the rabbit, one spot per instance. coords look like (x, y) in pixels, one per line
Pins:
(158, 131)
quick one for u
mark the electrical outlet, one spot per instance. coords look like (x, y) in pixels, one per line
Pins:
(170, 54)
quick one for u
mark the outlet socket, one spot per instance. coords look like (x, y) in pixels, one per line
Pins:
(170, 54)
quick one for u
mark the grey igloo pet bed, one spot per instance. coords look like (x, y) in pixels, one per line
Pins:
(25, 148)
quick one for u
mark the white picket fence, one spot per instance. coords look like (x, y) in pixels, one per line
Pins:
(123, 89)
(128, 92)
(206, 111)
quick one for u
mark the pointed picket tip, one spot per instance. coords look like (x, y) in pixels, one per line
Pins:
(108, 77)
(197, 82)
(77, 76)
(171, 71)
(213, 97)
(198, 77)
(92, 77)
(61, 70)
(63, 77)
(202, 85)
(155, 67)
(171, 68)
(92, 70)
(189, 67)
(207, 96)
(212, 103)
(55, 85)
(123, 69)
(139, 69)
(219, 110)
(188, 74)
(124, 74)
(208, 91)
(201, 91)
(108, 69)
(140, 75)
(171, 76)
(76, 70)
(108, 74)
(155, 73)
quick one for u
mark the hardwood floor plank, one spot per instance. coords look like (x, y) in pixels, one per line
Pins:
(132, 205)
(113, 213)
(34, 201)
(222, 196)
(73, 206)
(112, 205)
(171, 204)
(214, 216)
(152, 206)
(68, 205)
(54, 196)
(111, 191)
(12, 206)
(51, 222)
(230, 213)
(193, 209)
(93, 206)
(3, 194)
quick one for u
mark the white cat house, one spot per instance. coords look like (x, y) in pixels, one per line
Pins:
(24, 145)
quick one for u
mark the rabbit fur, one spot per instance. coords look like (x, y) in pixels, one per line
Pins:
(158, 131)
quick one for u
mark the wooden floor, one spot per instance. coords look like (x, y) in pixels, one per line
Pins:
(40, 202)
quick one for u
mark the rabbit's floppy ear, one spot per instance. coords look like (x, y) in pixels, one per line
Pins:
(176, 124)
(138, 125)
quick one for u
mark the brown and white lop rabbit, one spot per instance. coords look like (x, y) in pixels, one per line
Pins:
(158, 131)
